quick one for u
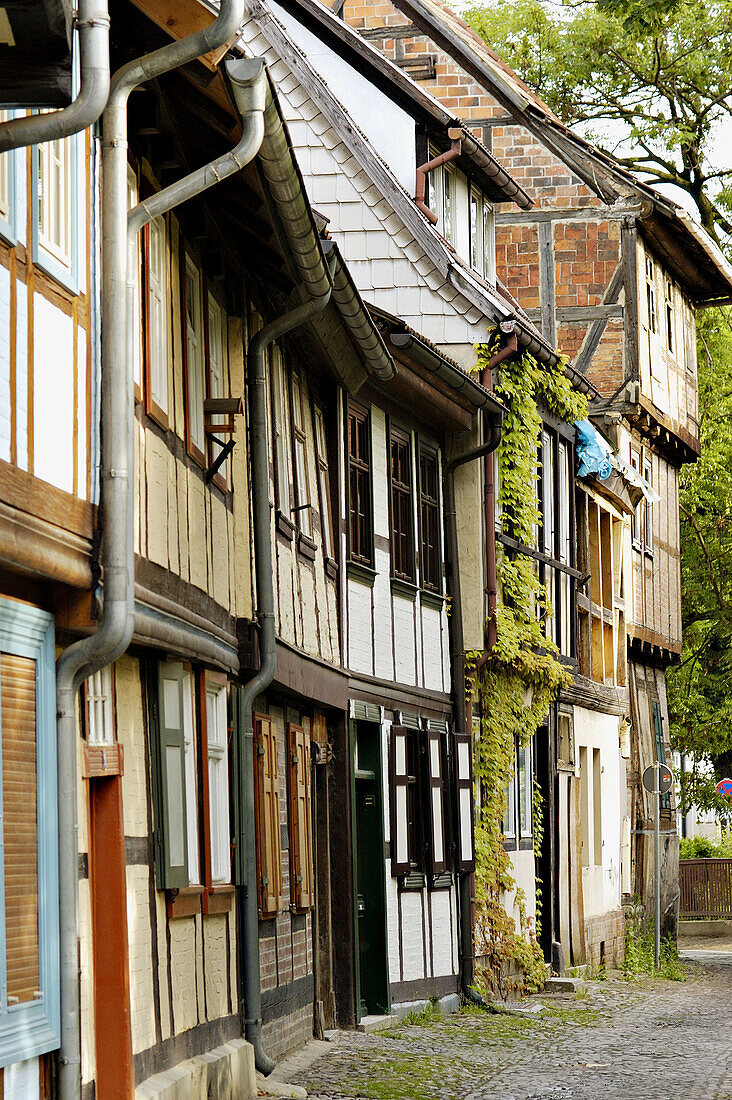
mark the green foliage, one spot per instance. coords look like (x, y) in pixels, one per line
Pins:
(702, 847)
(648, 79)
(640, 950)
(523, 675)
(700, 689)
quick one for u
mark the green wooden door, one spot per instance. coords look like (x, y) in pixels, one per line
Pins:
(372, 986)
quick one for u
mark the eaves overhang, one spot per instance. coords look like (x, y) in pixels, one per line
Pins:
(35, 53)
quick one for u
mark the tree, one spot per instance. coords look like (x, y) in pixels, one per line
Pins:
(650, 80)
(700, 689)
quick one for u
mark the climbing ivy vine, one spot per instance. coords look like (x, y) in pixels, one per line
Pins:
(522, 676)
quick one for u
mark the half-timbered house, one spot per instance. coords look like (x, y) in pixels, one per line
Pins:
(612, 272)
(426, 262)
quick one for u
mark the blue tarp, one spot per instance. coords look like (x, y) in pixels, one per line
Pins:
(592, 451)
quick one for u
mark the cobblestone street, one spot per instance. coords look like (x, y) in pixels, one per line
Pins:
(620, 1039)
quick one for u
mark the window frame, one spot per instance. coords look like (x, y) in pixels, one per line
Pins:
(33, 1028)
(64, 269)
(216, 821)
(648, 506)
(222, 477)
(481, 215)
(280, 448)
(651, 296)
(405, 489)
(670, 312)
(8, 168)
(154, 409)
(430, 452)
(365, 469)
(323, 477)
(193, 387)
(99, 706)
(302, 509)
(136, 325)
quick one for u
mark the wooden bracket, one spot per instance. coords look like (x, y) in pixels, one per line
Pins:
(102, 761)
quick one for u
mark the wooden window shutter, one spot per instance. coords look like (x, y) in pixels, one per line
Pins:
(301, 834)
(465, 855)
(267, 812)
(398, 790)
(171, 816)
(438, 845)
(20, 827)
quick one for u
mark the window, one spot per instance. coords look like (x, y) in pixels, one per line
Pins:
(482, 239)
(190, 735)
(508, 826)
(417, 799)
(301, 837)
(565, 740)
(402, 507)
(267, 814)
(29, 952)
(670, 336)
(591, 805)
(279, 434)
(136, 320)
(156, 302)
(6, 186)
(648, 506)
(429, 522)
(359, 486)
(463, 746)
(638, 532)
(523, 776)
(440, 197)
(302, 486)
(602, 623)
(195, 384)
(55, 190)
(321, 456)
(651, 295)
(218, 382)
(100, 707)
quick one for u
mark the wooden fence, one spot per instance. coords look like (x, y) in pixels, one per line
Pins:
(706, 888)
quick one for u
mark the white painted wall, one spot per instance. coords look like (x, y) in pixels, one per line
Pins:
(389, 129)
(602, 882)
(5, 405)
(53, 395)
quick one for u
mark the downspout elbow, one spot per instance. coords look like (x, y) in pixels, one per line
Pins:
(92, 24)
(455, 135)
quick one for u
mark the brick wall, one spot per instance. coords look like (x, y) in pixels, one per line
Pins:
(605, 939)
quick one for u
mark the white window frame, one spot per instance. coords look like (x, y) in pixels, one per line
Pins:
(191, 775)
(670, 317)
(195, 359)
(648, 517)
(157, 319)
(55, 208)
(217, 746)
(482, 235)
(651, 296)
(100, 707)
(7, 188)
(524, 790)
(440, 197)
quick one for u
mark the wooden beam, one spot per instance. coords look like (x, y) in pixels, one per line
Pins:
(547, 289)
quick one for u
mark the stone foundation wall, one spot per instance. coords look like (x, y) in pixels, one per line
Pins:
(605, 939)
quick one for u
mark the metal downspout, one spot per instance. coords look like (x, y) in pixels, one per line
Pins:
(110, 641)
(455, 136)
(458, 674)
(259, 451)
(92, 24)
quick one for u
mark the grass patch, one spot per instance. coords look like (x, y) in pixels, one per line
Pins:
(640, 950)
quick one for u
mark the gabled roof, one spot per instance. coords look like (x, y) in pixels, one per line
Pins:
(688, 250)
(493, 303)
(497, 182)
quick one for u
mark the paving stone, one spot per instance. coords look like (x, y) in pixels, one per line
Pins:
(616, 1040)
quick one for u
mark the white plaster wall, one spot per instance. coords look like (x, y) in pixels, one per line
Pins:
(523, 870)
(443, 932)
(412, 935)
(141, 961)
(21, 376)
(389, 129)
(22, 1080)
(360, 640)
(53, 395)
(404, 627)
(601, 884)
(432, 648)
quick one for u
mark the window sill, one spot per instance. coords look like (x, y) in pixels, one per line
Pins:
(648, 553)
(413, 881)
(509, 844)
(364, 573)
(526, 843)
(284, 526)
(306, 547)
(404, 588)
(432, 599)
(185, 902)
(218, 899)
(331, 568)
